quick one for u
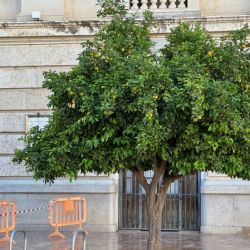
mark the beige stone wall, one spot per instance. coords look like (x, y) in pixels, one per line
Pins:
(26, 52)
(28, 49)
(49, 10)
(225, 205)
(9, 9)
(101, 194)
(76, 10)
(224, 7)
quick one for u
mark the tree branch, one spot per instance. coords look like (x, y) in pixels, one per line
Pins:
(168, 180)
(165, 185)
(154, 164)
(178, 176)
(142, 179)
(158, 172)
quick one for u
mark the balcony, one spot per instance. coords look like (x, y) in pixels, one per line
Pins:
(63, 10)
(166, 8)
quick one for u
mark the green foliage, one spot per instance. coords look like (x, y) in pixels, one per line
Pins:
(111, 8)
(187, 105)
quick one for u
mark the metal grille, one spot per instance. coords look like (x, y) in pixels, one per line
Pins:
(181, 209)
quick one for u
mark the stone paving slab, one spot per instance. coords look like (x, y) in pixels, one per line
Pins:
(135, 240)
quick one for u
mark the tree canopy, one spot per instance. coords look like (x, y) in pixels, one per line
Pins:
(129, 106)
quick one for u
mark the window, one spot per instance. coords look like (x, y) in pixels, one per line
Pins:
(39, 121)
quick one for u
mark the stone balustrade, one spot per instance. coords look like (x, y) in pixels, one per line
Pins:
(166, 8)
(63, 10)
(157, 4)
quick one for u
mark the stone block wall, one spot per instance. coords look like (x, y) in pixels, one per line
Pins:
(26, 52)
(99, 191)
(224, 7)
(225, 205)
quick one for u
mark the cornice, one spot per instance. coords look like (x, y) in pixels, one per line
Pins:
(78, 31)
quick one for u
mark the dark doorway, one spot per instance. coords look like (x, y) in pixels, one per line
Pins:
(181, 210)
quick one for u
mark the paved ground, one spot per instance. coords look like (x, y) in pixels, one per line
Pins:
(136, 240)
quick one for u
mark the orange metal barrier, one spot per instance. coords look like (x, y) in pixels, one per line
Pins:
(67, 212)
(7, 219)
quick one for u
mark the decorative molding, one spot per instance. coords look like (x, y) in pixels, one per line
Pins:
(92, 184)
(63, 32)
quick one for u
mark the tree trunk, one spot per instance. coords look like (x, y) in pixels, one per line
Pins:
(154, 225)
(155, 203)
(155, 199)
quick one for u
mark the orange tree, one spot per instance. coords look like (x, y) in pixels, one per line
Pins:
(126, 106)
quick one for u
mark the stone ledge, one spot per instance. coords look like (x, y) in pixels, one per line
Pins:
(220, 230)
(28, 17)
(95, 185)
(225, 187)
(17, 30)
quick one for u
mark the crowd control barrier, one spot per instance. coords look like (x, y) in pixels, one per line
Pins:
(8, 223)
(7, 219)
(65, 212)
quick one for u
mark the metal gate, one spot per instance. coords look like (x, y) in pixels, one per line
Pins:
(181, 209)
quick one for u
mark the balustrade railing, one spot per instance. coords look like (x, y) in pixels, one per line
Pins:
(60, 10)
(157, 4)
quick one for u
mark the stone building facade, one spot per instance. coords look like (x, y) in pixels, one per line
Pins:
(29, 47)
